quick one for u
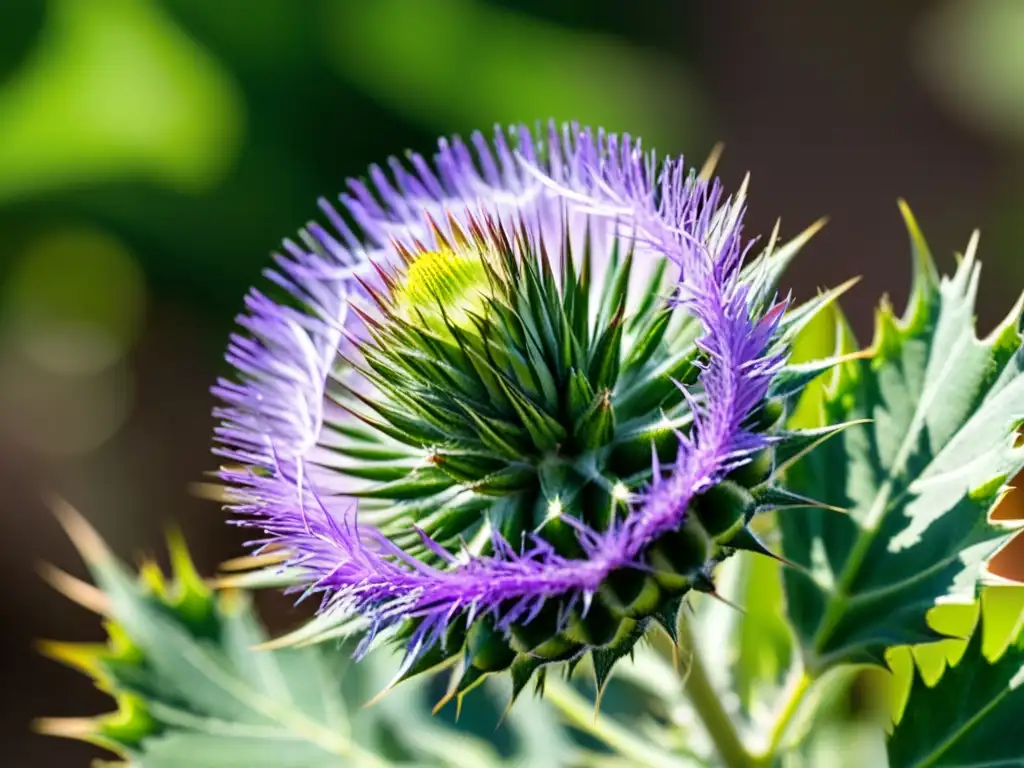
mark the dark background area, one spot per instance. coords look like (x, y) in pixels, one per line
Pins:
(153, 153)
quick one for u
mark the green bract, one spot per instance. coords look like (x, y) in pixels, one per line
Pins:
(512, 394)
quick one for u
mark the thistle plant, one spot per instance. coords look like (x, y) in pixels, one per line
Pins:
(522, 407)
(527, 413)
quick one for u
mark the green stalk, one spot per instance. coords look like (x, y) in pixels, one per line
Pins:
(794, 697)
(708, 705)
(581, 713)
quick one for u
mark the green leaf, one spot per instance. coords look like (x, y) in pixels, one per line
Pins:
(919, 479)
(971, 716)
(197, 683)
(1001, 606)
(199, 688)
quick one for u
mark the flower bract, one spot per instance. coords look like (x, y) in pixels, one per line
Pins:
(514, 404)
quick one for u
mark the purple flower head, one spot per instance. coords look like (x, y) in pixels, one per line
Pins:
(446, 416)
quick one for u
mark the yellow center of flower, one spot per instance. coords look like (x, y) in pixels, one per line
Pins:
(443, 284)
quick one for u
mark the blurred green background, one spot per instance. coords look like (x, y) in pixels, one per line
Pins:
(153, 153)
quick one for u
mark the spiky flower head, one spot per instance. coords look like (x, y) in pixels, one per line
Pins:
(517, 404)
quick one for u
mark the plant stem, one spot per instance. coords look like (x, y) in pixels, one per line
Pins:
(708, 704)
(794, 696)
(580, 713)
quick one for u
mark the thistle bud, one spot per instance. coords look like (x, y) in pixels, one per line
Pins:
(519, 430)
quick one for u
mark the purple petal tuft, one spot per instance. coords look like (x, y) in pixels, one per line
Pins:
(272, 418)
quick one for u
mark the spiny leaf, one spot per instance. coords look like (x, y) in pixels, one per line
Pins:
(971, 716)
(197, 684)
(209, 695)
(919, 477)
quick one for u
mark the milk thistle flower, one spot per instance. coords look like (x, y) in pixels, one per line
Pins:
(516, 403)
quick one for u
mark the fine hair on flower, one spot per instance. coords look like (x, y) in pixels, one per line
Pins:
(516, 403)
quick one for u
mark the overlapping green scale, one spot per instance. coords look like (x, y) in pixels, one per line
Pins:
(528, 392)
